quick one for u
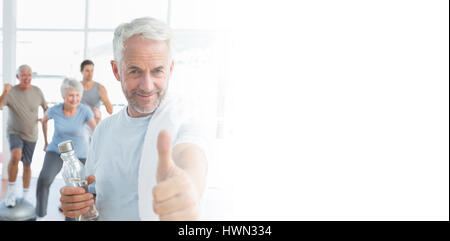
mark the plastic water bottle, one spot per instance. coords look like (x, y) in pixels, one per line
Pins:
(74, 176)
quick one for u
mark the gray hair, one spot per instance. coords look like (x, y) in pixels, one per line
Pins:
(149, 28)
(22, 67)
(72, 84)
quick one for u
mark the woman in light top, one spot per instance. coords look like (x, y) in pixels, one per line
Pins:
(69, 119)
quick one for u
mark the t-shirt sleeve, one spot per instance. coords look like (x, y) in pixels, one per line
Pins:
(88, 113)
(191, 131)
(51, 112)
(193, 128)
(6, 101)
(43, 102)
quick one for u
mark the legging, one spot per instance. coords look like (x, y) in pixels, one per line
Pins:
(52, 165)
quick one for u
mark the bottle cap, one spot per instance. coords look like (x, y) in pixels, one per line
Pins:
(65, 146)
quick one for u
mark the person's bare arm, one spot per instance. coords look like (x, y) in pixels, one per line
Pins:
(104, 97)
(44, 130)
(6, 89)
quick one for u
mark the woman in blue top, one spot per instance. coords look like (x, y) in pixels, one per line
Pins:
(69, 119)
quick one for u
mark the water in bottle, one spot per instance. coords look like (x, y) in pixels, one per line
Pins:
(74, 176)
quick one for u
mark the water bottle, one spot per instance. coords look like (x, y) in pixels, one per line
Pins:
(74, 176)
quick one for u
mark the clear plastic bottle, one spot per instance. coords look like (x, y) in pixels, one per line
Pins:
(74, 176)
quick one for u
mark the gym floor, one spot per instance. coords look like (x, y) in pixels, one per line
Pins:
(53, 214)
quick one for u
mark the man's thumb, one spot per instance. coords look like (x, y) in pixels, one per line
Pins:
(90, 179)
(165, 163)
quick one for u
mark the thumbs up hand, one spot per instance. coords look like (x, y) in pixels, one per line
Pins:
(175, 196)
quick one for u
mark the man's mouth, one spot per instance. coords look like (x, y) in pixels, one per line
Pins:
(146, 96)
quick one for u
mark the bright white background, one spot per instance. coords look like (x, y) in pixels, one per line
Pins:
(335, 110)
(340, 110)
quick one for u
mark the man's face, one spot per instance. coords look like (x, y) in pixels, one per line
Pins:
(144, 74)
(88, 72)
(24, 78)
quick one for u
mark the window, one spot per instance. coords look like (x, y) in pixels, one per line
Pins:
(1, 14)
(1, 55)
(110, 13)
(50, 53)
(197, 71)
(100, 51)
(50, 14)
(195, 14)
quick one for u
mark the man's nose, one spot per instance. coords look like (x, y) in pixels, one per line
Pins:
(147, 84)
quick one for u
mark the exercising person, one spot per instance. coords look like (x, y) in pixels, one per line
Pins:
(23, 101)
(93, 91)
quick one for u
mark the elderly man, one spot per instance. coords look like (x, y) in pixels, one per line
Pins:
(137, 172)
(23, 101)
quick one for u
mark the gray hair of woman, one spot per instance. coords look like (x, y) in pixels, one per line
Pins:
(69, 83)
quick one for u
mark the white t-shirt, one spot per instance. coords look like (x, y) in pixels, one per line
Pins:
(113, 158)
(123, 157)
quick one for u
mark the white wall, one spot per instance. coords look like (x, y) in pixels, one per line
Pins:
(340, 110)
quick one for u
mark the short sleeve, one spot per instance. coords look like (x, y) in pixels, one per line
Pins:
(51, 112)
(88, 113)
(193, 128)
(191, 131)
(6, 101)
(43, 102)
